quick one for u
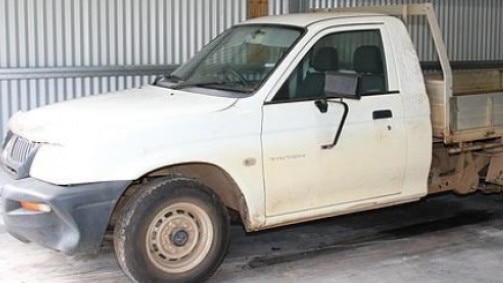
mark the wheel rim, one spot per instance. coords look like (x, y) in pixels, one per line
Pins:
(179, 237)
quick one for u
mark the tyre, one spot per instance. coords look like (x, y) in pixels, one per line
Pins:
(173, 229)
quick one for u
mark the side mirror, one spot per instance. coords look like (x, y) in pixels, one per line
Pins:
(339, 85)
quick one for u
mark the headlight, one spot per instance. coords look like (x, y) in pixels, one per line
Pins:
(8, 136)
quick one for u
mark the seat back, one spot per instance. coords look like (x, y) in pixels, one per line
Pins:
(368, 63)
(324, 60)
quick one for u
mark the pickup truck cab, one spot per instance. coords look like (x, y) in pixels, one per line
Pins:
(279, 120)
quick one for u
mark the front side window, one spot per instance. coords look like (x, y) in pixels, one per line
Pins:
(352, 52)
(239, 60)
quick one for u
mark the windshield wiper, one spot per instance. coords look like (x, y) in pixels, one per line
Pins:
(170, 77)
(214, 85)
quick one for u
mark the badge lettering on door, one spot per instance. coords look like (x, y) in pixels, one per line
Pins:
(288, 157)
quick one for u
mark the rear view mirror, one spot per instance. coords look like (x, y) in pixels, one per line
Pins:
(339, 85)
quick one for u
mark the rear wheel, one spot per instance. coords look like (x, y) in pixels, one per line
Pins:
(172, 230)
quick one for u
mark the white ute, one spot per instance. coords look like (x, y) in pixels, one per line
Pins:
(279, 120)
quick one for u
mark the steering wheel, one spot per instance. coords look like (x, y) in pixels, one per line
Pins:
(230, 72)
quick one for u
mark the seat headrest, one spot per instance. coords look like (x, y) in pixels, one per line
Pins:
(325, 59)
(368, 59)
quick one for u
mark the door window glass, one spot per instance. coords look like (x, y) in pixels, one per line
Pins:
(357, 52)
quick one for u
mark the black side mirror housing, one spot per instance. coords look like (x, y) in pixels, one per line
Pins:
(341, 85)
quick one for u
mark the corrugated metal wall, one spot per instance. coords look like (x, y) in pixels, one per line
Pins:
(53, 50)
(472, 30)
(278, 7)
(88, 43)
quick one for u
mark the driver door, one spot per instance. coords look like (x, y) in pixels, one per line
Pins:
(369, 159)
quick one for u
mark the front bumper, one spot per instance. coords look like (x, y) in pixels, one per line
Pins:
(78, 218)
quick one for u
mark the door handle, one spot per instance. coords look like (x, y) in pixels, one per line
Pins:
(382, 114)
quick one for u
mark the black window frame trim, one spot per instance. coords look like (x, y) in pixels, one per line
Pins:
(321, 97)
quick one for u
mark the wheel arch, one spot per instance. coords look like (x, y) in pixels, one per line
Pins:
(212, 176)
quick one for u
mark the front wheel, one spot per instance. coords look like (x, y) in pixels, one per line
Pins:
(172, 230)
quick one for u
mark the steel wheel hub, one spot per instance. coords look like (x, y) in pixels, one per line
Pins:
(179, 237)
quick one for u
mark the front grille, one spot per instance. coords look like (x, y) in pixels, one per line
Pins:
(18, 154)
(19, 149)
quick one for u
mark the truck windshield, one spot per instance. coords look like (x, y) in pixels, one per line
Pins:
(238, 60)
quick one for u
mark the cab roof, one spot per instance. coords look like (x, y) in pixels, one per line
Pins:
(305, 19)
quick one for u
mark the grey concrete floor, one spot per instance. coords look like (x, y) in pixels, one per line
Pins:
(440, 239)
